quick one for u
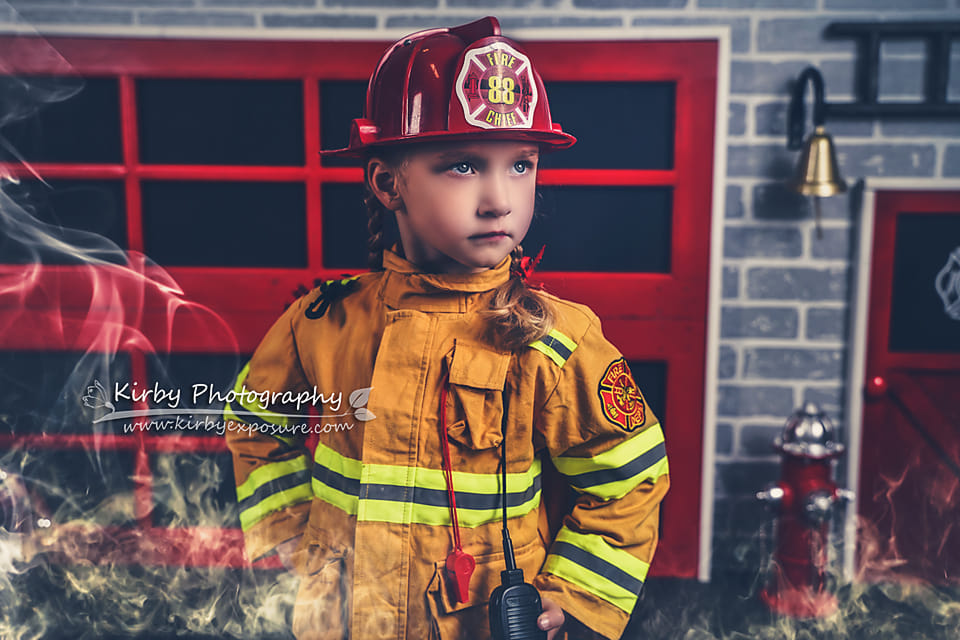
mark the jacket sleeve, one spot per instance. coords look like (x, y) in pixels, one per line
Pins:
(271, 466)
(603, 438)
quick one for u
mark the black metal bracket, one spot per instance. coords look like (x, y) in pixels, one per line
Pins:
(869, 36)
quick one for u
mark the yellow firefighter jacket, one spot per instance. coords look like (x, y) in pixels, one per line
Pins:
(371, 499)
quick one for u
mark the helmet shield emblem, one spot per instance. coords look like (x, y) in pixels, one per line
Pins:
(496, 87)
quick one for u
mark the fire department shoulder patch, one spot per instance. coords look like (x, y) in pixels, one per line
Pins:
(496, 88)
(622, 402)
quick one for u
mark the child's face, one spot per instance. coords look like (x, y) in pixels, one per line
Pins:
(466, 205)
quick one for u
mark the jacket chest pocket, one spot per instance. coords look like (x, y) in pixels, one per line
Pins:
(475, 399)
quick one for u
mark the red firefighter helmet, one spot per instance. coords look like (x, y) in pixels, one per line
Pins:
(451, 84)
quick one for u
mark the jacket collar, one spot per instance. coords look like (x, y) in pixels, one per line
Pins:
(405, 287)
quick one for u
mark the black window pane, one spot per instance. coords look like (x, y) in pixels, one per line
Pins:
(71, 484)
(63, 222)
(618, 125)
(651, 377)
(55, 119)
(345, 227)
(255, 224)
(624, 229)
(340, 102)
(61, 392)
(194, 490)
(925, 309)
(216, 121)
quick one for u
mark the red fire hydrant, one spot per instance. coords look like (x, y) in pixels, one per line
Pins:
(804, 498)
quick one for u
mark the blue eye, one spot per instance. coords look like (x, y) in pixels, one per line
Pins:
(522, 166)
(462, 168)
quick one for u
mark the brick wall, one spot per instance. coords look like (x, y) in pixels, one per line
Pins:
(786, 291)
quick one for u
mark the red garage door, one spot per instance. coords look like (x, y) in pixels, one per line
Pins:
(204, 157)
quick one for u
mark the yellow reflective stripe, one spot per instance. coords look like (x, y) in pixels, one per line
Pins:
(389, 511)
(272, 487)
(555, 346)
(270, 471)
(252, 407)
(337, 462)
(421, 477)
(615, 472)
(393, 493)
(276, 502)
(589, 562)
(339, 499)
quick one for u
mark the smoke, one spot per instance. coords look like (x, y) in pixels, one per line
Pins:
(106, 534)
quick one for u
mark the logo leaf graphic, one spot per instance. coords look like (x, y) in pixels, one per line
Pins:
(363, 414)
(360, 397)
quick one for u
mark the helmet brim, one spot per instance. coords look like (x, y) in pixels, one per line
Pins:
(548, 141)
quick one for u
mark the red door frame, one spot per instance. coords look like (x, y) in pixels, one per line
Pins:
(673, 330)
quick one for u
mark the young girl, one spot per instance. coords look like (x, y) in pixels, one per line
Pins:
(469, 369)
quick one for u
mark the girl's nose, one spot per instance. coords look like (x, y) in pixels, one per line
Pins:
(496, 197)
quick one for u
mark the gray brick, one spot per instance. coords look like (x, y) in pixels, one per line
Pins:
(522, 22)
(901, 79)
(758, 322)
(772, 363)
(826, 324)
(724, 441)
(902, 48)
(75, 16)
(757, 440)
(727, 367)
(135, 4)
(887, 159)
(259, 3)
(876, 5)
(762, 242)
(629, 4)
(797, 283)
(800, 34)
(829, 399)
(777, 201)
(319, 20)
(770, 119)
(754, 400)
(739, 27)
(503, 3)
(921, 128)
(831, 244)
(197, 18)
(745, 478)
(951, 161)
(399, 4)
(757, 4)
(761, 161)
(737, 119)
(777, 78)
(731, 282)
(733, 207)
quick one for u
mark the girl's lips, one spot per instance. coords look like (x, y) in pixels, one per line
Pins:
(492, 234)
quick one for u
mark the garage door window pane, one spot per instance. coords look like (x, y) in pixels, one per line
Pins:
(623, 229)
(225, 122)
(225, 224)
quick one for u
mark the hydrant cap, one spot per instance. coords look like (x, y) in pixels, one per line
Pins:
(809, 434)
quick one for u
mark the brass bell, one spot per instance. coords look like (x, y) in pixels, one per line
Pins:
(817, 172)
